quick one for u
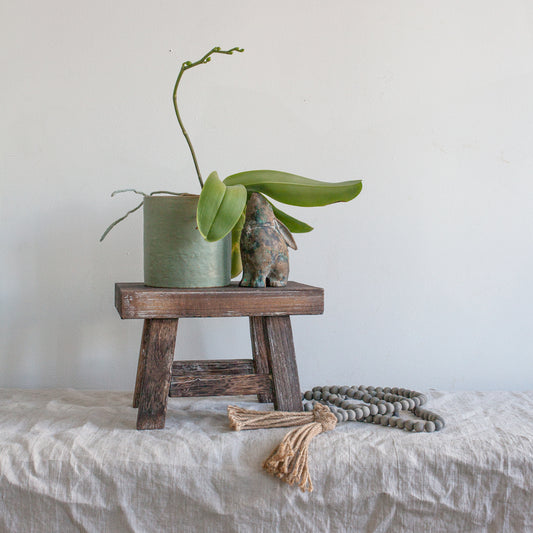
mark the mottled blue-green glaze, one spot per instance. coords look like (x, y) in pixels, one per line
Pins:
(175, 254)
(264, 252)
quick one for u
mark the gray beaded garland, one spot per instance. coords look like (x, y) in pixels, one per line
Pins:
(375, 405)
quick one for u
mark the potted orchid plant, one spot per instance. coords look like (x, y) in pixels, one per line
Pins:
(193, 241)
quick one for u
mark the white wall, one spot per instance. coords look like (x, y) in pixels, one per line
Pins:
(428, 273)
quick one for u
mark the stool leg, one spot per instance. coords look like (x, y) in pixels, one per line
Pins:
(159, 341)
(142, 363)
(260, 352)
(282, 361)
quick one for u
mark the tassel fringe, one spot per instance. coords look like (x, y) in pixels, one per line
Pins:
(289, 461)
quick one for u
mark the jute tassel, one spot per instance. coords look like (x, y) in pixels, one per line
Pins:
(289, 460)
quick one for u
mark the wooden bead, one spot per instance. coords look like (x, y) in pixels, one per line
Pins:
(429, 426)
(419, 426)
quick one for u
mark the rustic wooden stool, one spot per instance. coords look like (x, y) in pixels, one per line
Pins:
(272, 374)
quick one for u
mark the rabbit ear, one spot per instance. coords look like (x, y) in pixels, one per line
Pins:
(287, 235)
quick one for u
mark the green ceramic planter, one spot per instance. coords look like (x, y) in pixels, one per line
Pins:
(175, 254)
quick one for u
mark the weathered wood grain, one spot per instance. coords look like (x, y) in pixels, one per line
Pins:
(142, 362)
(217, 385)
(272, 374)
(260, 352)
(135, 300)
(282, 361)
(155, 381)
(213, 366)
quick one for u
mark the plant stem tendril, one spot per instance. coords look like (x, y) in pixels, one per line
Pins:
(186, 66)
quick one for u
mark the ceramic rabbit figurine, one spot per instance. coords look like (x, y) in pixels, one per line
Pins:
(264, 240)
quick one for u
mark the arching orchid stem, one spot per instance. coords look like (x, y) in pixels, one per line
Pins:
(186, 66)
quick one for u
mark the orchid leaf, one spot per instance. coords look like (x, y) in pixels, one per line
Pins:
(236, 262)
(293, 224)
(295, 190)
(219, 208)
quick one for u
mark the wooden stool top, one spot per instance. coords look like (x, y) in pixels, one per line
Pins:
(136, 300)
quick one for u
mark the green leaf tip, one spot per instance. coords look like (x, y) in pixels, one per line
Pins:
(219, 208)
(295, 190)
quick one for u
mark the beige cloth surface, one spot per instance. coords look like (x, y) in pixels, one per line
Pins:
(72, 461)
